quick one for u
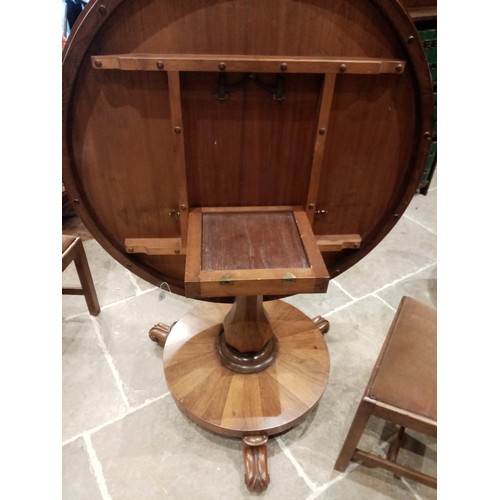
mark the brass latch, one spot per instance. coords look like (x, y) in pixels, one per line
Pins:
(288, 277)
(227, 280)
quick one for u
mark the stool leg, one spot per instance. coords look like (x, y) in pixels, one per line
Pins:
(358, 425)
(83, 270)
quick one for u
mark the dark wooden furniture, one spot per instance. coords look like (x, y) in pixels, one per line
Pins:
(242, 152)
(424, 15)
(421, 10)
(402, 389)
(73, 251)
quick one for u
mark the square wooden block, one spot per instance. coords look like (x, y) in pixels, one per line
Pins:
(252, 251)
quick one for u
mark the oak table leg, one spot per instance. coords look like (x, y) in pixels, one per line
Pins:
(251, 406)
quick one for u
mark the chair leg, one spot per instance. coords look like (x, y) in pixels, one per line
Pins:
(83, 270)
(354, 435)
(392, 453)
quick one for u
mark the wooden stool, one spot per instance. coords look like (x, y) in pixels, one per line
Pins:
(72, 250)
(401, 389)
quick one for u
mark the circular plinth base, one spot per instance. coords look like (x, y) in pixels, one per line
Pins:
(237, 404)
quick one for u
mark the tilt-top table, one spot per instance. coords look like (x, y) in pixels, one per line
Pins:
(240, 152)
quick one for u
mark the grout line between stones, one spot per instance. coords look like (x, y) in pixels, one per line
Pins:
(99, 427)
(112, 304)
(378, 290)
(300, 471)
(419, 224)
(109, 360)
(96, 468)
(384, 302)
(340, 287)
(327, 485)
(134, 282)
(410, 488)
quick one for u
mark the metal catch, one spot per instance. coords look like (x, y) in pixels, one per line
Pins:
(227, 280)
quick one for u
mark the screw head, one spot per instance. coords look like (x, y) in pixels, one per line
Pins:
(98, 63)
(177, 129)
(322, 131)
(183, 207)
(343, 68)
(411, 39)
(222, 66)
(102, 9)
(159, 65)
(284, 67)
(399, 68)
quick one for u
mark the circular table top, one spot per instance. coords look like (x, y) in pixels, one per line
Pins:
(172, 105)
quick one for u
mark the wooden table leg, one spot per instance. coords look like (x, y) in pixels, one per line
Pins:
(255, 460)
(322, 323)
(159, 333)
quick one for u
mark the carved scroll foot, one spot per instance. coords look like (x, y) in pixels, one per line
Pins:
(159, 333)
(255, 459)
(322, 323)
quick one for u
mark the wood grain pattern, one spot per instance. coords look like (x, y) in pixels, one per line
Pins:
(235, 404)
(237, 251)
(121, 159)
(239, 240)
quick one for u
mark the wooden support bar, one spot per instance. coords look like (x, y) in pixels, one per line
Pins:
(72, 291)
(155, 246)
(174, 246)
(174, 92)
(337, 242)
(246, 64)
(395, 468)
(319, 146)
